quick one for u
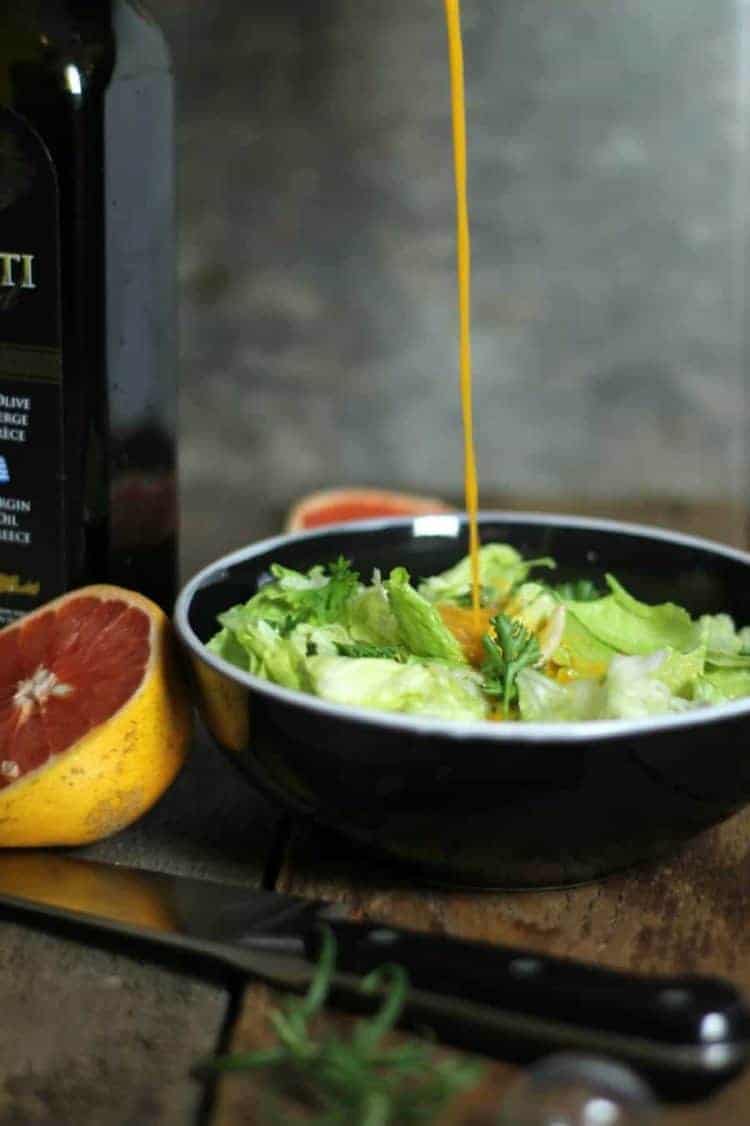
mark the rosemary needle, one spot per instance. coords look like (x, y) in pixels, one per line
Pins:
(356, 1080)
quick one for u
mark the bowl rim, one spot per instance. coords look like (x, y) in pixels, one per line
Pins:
(579, 731)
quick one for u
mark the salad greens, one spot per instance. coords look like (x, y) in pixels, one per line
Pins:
(538, 650)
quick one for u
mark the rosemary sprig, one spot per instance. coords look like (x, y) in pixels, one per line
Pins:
(359, 1080)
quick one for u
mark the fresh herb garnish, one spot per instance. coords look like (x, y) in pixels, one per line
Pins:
(364, 649)
(360, 1080)
(323, 600)
(512, 649)
(579, 590)
(342, 583)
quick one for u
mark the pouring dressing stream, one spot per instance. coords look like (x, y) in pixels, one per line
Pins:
(463, 255)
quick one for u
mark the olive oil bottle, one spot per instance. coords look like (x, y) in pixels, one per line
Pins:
(87, 338)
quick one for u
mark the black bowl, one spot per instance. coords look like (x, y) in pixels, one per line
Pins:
(484, 804)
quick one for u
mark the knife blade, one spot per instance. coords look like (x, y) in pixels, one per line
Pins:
(686, 1034)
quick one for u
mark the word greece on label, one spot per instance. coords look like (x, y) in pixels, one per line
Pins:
(14, 417)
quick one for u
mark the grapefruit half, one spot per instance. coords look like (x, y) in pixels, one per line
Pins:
(332, 506)
(95, 720)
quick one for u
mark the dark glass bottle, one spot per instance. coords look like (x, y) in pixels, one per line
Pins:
(87, 337)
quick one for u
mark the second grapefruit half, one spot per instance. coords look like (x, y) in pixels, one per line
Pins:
(333, 506)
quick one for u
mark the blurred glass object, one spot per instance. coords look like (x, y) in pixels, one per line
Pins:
(574, 1090)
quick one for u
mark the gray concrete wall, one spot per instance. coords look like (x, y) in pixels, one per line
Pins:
(608, 196)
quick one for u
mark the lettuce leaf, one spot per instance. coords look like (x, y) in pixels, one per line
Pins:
(544, 700)
(432, 689)
(581, 651)
(270, 655)
(680, 671)
(370, 617)
(318, 597)
(501, 568)
(531, 604)
(634, 688)
(225, 644)
(635, 628)
(719, 634)
(717, 686)
(420, 626)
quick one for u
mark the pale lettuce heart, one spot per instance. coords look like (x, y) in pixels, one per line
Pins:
(634, 689)
(438, 690)
(543, 700)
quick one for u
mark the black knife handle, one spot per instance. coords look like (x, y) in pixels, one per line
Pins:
(687, 1033)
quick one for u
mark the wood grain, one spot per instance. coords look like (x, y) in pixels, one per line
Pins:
(91, 1036)
(689, 913)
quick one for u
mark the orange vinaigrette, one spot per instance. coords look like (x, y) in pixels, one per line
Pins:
(463, 254)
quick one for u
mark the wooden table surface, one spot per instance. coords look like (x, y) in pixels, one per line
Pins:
(90, 1037)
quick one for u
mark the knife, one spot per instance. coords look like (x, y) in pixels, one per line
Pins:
(686, 1034)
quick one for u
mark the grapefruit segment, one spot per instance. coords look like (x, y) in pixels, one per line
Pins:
(341, 505)
(94, 718)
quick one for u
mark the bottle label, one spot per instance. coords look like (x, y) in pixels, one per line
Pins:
(32, 544)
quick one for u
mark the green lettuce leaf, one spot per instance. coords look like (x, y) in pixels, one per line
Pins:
(727, 647)
(500, 569)
(318, 597)
(719, 634)
(420, 626)
(434, 689)
(634, 627)
(581, 651)
(225, 644)
(273, 656)
(680, 671)
(717, 686)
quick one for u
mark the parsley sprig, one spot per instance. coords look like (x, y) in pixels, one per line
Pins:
(358, 1080)
(513, 648)
(319, 604)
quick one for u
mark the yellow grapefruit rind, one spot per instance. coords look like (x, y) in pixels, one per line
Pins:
(408, 504)
(119, 769)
